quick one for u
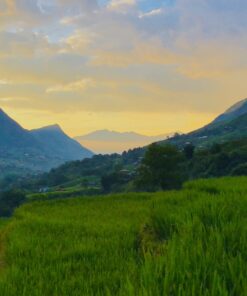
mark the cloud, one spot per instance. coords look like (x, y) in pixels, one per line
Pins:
(151, 13)
(121, 5)
(25, 44)
(78, 42)
(149, 52)
(5, 82)
(79, 85)
(71, 19)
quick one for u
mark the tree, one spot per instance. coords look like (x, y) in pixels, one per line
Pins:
(85, 183)
(107, 181)
(9, 200)
(216, 148)
(161, 168)
(189, 151)
(240, 170)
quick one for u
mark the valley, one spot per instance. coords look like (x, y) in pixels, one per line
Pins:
(123, 148)
(164, 219)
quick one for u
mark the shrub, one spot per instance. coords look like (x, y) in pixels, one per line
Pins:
(9, 201)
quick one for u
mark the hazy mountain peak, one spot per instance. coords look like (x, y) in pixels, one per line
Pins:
(108, 141)
(109, 133)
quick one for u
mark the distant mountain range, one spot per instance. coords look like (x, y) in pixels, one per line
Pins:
(24, 151)
(230, 125)
(106, 141)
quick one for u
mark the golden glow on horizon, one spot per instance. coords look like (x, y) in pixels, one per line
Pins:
(80, 123)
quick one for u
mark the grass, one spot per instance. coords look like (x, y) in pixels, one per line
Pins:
(190, 242)
(3, 222)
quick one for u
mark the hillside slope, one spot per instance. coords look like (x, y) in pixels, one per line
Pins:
(225, 128)
(19, 150)
(56, 143)
(23, 151)
(238, 109)
(13, 136)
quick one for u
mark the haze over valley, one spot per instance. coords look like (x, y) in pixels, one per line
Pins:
(106, 141)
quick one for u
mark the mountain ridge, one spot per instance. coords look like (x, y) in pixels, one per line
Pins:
(13, 134)
(238, 109)
(230, 125)
(36, 158)
(56, 141)
(55, 127)
(106, 132)
(36, 150)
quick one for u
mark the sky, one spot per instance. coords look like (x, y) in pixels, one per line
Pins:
(128, 65)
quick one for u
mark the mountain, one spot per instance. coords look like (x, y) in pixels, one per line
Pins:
(42, 149)
(12, 135)
(235, 111)
(23, 151)
(19, 151)
(231, 125)
(105, 141)
(56, 142)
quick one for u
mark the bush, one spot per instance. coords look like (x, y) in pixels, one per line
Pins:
(9, 201)
(240, 170)
(161, 168)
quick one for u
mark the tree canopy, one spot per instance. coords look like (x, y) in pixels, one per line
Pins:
(161, 168)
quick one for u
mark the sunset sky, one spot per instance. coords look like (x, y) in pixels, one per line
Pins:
(148, 66)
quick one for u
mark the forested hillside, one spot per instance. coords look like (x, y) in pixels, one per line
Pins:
(120, 171)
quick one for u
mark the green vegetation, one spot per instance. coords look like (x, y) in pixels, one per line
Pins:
(119, 172)
(188, 242)
(9, 200)
(161, 168)
(228, 159)
(68, 193)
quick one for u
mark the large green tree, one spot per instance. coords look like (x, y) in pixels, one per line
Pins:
(161, 168)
